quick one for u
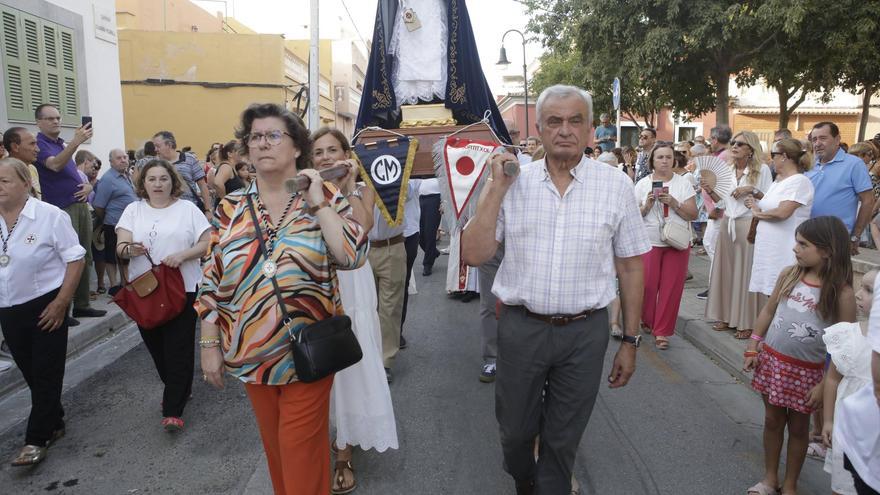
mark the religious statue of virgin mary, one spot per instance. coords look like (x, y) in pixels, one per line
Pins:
(423, 51)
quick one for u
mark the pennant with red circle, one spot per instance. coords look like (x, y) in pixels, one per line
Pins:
(466, 161)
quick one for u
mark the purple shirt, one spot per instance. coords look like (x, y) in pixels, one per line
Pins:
(58, 187)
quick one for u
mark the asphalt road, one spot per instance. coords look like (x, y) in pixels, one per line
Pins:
(682, 426)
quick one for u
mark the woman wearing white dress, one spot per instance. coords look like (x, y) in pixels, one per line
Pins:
(360, 399)
(785, 205)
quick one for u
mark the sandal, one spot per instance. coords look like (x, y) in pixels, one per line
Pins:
(339, 487)
(101, 290)
(816, 450)
(742, 334)
(661, 343)
(30, 455)
(762, 488)
(720, 327)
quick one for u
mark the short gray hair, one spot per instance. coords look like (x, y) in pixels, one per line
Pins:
(722, 133)
(114, 150)
(564, 91)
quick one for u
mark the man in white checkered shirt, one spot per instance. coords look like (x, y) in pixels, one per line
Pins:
(569, 225)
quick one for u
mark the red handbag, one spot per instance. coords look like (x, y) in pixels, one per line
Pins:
(153, 298)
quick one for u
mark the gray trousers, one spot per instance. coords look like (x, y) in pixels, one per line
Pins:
(565, 362)
(488, 321)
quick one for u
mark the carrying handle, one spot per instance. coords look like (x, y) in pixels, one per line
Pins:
(286, 317)
(146, 253)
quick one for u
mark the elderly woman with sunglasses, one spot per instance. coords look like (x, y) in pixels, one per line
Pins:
(730, 303)
(308, 237)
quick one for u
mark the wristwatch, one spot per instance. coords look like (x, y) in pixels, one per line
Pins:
(633, 341)
(356, 193)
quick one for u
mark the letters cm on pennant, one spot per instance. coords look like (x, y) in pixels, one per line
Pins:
(465, 162)
(385, 166)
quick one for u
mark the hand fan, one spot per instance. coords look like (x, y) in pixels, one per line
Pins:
(717, 173)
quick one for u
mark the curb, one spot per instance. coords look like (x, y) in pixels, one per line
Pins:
(721, 347)
(77, 343)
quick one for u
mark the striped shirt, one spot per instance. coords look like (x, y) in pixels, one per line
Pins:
(237, 297)
(559, 250)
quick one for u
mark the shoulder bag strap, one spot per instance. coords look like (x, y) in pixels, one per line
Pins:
(265, 253)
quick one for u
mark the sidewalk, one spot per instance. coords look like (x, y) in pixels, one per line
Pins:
(80, 338)
(721, 346)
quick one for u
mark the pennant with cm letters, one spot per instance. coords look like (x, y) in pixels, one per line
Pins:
(385, 167)
(466, 160)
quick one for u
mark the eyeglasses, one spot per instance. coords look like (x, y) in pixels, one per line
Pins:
(737, 144)
(645, 136)
(272, 137)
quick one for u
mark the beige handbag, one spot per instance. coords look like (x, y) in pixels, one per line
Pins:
(675, 234)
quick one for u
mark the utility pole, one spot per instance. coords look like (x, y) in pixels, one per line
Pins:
(314, 72)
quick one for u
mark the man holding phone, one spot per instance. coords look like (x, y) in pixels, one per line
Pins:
(63, 187)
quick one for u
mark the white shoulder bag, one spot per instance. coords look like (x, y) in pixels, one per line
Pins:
(675, 234)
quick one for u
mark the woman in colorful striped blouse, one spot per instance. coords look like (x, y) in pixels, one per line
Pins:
(308, 236)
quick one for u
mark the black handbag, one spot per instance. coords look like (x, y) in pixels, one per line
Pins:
(321, 348)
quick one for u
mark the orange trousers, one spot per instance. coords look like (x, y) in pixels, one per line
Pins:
(294, 422)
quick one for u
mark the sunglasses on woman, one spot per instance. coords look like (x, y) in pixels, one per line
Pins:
(737, 144)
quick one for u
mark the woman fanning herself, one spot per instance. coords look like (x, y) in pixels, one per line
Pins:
(809, 297)
(175, 233)
(665, 266)
(730, 303)
(361, 399)
(40, 265)
(308, 237)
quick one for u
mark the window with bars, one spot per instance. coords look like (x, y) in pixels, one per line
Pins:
(39, 66)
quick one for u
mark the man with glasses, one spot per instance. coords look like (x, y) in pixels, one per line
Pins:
(189, 168)
(647, 140)
(841, 181)
(63, 186)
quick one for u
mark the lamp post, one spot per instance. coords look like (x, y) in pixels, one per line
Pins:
(504, 63)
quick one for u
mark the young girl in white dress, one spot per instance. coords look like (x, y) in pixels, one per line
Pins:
(850, 370)
(360, 400)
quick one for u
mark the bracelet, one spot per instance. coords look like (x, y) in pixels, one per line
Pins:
(756, 337)
(205, 343)
(750, 353)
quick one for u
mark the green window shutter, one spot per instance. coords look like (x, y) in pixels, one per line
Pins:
(39, 65)
(67, 76)
(14, 71)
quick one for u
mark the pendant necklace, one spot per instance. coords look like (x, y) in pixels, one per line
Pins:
(269, 266)
(5, 258)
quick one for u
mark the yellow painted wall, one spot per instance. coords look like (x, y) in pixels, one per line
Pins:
(166, 15)
(207, 116)
(197, 115)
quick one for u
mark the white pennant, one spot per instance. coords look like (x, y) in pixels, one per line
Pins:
(465, 161)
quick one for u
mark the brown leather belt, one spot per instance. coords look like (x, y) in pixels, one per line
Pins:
(561, 320)
(387, 242)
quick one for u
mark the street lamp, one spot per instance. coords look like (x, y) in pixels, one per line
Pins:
(504, 63)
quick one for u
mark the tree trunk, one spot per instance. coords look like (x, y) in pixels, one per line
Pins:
(784, 111)
(866, 107)
(722, 98)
